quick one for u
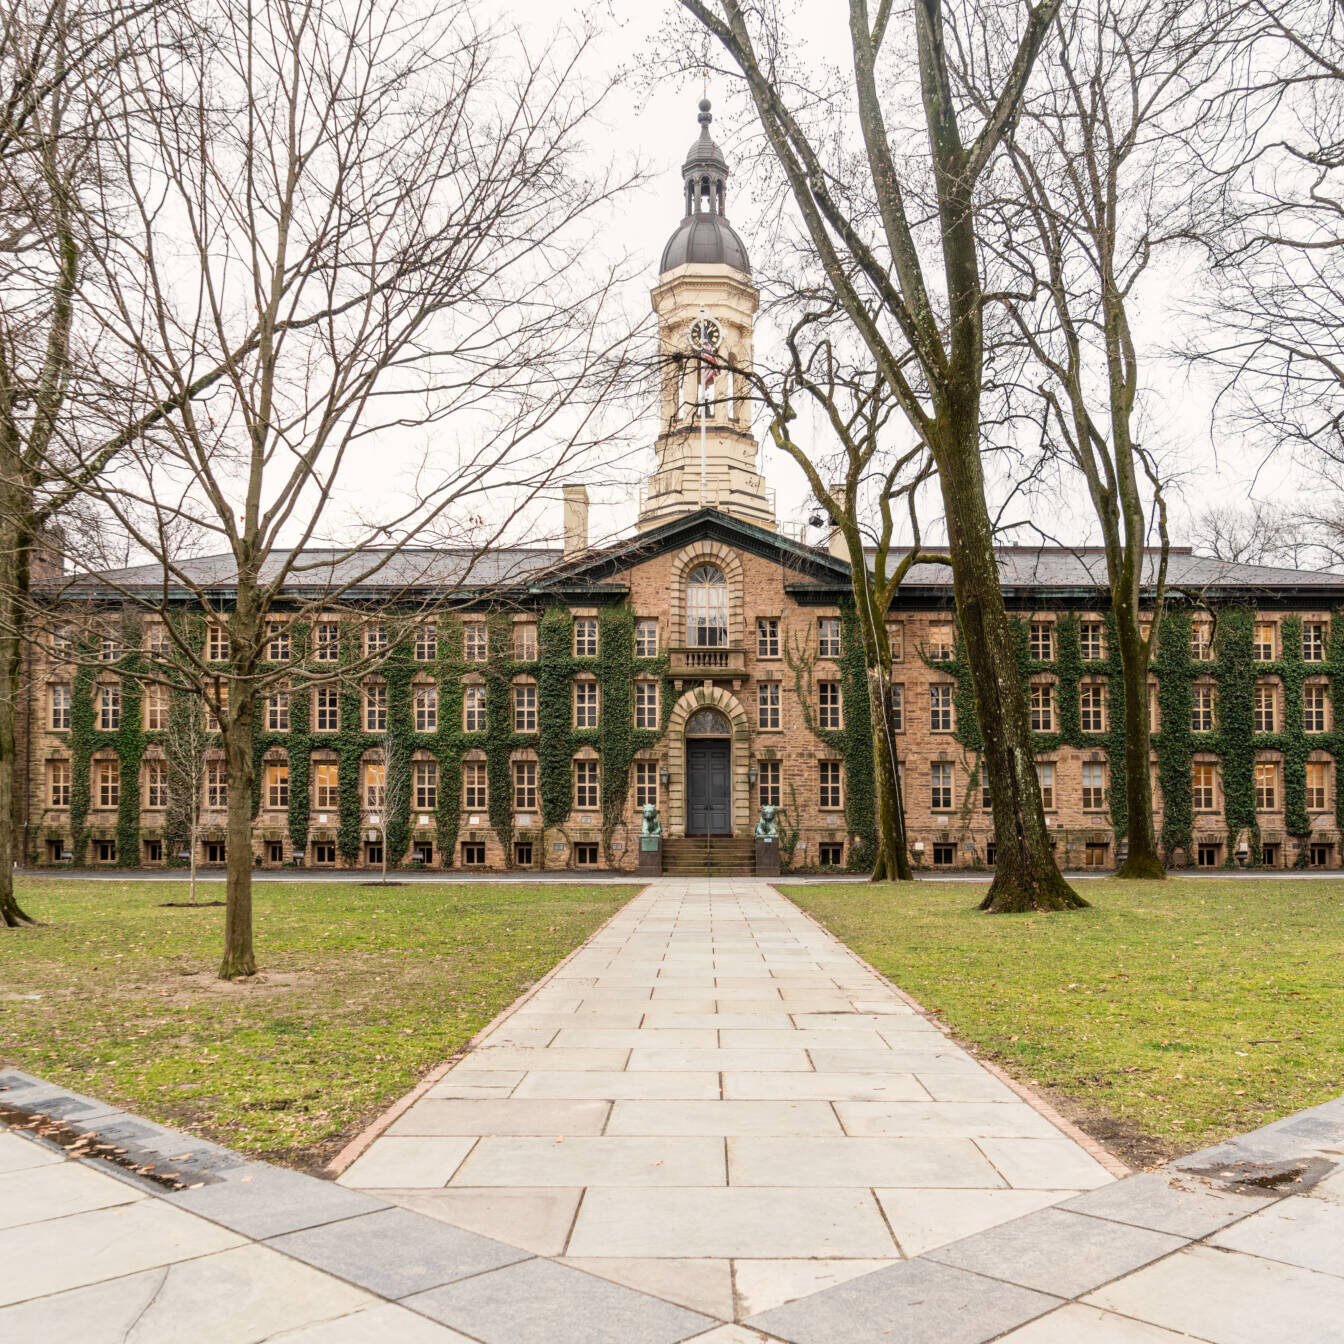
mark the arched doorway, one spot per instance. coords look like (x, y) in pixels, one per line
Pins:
(709, 773)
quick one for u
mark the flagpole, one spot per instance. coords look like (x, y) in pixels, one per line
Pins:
(704, 413)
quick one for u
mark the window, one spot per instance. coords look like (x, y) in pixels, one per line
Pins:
(426, 703)
(277, 784)
(216, 785)
(156, 784)
(767, 637)
(585, 784)
(58, 783)
(475, 642)
(828, 636)
(108, 783)
(375, 707)
(941, 646)
(525, 785)
(1206, 856)
(426, 642)
(109, 708)
(1096, 854)
(425, 781)
(768, 783)
(646, 639)
(1318, 855)
(214, 851)
(525, 708)
(944, 855)
(1041, 640)
(1313, 641)
(216, 703)
(1203, 777)
(896, 641)
(422, 851)
(1092, 640)
(106, 851)
(324, 853)
(585, 637)
(1092, 708)
(1318, 781)
(646, 783)
(831, 854)
(60, 705)
(1266, 786)
(767, 704)
(522, 853)
(327, 708)
(473, 854)
(155, 705)
(1201, 708)
(828, 778)
(217, 644)
(156, 641)
(277, 712)
(326, 789)
(375, 785)
(940, 707)
(1045, 774)
(1154, 709)
(277, 642)
(525, 642)
(1313, 708)
(646, 704)
(986, 797)
(898, 709)
(154, 851)
(1094, 786)
(1262, 642)
(940, 786)
(1269, 855)
(1263, 716)
(706, 607)
(375, 638)
(373, 852)
(585, 855)
(828, 704)
(475, 794)
(1043, 707)
(326, 642)
(1201, 641)
(109, 647)
(585, 704)
(991, 853)
(473, 709)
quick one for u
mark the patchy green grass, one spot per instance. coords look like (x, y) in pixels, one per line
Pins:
(1181, 1011)
(361, 990)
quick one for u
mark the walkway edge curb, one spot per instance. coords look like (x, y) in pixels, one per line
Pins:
(346, 1157)
(1037, 1103)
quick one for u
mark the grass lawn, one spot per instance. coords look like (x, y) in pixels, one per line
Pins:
(360, 992)
(1163, 1018)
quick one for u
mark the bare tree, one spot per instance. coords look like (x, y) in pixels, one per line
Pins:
(908, 275)
(1100, 166)
(188, 746)
(374, 223)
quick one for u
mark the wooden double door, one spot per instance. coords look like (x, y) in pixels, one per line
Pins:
(709, 786)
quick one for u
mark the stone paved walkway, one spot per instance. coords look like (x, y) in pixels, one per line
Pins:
(716, 1103)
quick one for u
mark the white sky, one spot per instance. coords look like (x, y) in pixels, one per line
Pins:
(654, 123)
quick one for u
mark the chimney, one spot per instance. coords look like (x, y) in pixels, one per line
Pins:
(835, 539)
(576, 518)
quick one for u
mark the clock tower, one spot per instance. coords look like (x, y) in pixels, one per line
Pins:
(706, 304)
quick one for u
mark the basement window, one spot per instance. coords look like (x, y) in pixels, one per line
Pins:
(585, 855)
(1206, 856)
(831, 855)
(324, 853)
(944, 856)
(473, 854)
(522, 854)
(106, 851)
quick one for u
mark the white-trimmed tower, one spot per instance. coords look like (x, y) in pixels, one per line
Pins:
(705, 272)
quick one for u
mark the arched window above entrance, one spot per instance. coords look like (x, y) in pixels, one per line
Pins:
(708, 722)
(706, 607)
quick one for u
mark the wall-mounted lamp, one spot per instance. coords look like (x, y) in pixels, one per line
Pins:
(751, 774)
(663, 775)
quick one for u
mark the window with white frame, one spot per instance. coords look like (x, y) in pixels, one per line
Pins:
(277, 712)
(524, 707)
(706, 607)
(828, 704)
(646, 638)
(426, 648)
(767, 704)
(768, 783)
(940, 786)
(525, 785)
(585, 784)
(473, 709)
(59, 700)
(828, 785)
(426, 709)
(585, 704)
(327, 709)
(585, 637)
(828, 636)
(767, 637)
(375, 707)
(475, 642)
(646, 783)
(940, 707)
(646, 704)
(109, 708)
(1045, 775)
(1094, 786)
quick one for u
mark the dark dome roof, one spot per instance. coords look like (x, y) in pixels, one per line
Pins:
(705, 239)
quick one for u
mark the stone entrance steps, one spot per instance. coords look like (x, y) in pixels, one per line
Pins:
(709, 856)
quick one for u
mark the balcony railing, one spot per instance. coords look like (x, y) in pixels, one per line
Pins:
(696, 661)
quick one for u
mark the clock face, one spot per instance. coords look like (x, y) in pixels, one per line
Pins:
(705, 334)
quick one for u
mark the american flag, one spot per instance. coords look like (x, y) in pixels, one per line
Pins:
(711, 366)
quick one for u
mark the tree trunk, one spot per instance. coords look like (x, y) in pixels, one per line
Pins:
(13, 584)
(239, 958)
(1143, 860)
(1026, 876)
(891, 862)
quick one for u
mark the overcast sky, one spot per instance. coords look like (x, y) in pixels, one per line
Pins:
(653, 121)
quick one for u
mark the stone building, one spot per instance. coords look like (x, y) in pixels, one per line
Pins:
(706, 664)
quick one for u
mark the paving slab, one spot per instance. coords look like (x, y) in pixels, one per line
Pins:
(398, 1161)
(19, 1154)
(945, 1119)
(924, 1219)
(762, 1285)
(613, 1160)
(1169, 1201)
(536, 1219)
(779, 1118)
(703, 1085)
(508, 1115)
(946, 1163)
(32, 1194)
(1306, 1232)
(705, 1286)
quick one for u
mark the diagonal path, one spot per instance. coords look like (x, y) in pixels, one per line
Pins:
(715, 1102)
